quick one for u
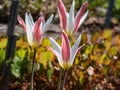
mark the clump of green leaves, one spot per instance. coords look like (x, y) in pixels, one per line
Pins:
(18, 66)
(101, 52)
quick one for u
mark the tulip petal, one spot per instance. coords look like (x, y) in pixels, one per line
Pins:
(45, 27)
(57, 54)
(21, 22)
(83, 18)
(56, 50)
(55, 45)
(65, 47)
(31, 21)
(37, 32)
(79, 15)
(28, 29)
(74, 48)
(74, 54)
(71, 17)
(62, 14)
(80, 48)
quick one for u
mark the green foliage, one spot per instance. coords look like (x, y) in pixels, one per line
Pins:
(22, 53)
(18, 66)
(43, 55)
(116, 10)
(49, 71)
(3, 43)
(102, 53)
(2, 55)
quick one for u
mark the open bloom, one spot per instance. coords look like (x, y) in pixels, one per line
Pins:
(34, 31)
(65, 53)
(68, 22)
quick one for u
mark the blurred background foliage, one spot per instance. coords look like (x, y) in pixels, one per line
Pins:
(101, 51)
(47, 7)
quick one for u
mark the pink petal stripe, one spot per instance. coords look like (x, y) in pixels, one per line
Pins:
(80, 48)
(62, 14)
(21, 22)
(37, 32)
(80, 14)
(65, 47)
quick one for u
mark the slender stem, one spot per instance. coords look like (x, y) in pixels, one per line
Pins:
(64, 80)
(60, 77)
(32, 74)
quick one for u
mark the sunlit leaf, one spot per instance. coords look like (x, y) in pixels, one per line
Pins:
(105, 59)
(113, 51)
(81, 77)
(89, 49)
(107, 44)
(117, 65)
(45, 42)
(107, 33)
(95, 37)
(95, 58)
(116, 40)
(77, 60)
(2, 55)
(97, 53)
(84, 38)
(22, 53)
(41, 49)
(85, 64)
(3, 43)
(102, 58)
(44, 57)
(105, 69)
(21, 43)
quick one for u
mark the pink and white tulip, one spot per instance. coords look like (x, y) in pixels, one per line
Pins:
(68, 22)
(34, 31)
(65, 53)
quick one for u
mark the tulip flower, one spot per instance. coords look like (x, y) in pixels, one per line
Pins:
(65, 53)
(68, 22)
(34, 31)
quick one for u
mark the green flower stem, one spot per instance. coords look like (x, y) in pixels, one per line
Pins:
(32, 74)
(64, 80)
(60, 77)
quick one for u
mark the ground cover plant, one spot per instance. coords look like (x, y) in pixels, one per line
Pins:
(95, 66)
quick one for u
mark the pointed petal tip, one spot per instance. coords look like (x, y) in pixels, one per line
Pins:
(81, 47)
(52, 16)
(37, 30)
(21, 22)
(73, 2)
(79, 15)
(86, 2)
(62, 14)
